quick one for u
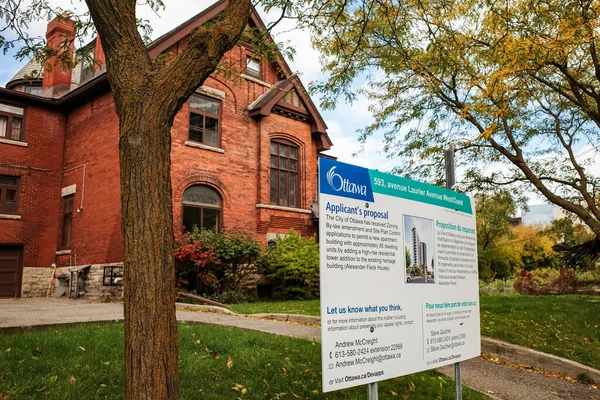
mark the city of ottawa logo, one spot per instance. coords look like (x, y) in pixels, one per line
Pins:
(340, 184)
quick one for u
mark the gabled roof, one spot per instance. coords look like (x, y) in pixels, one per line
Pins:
(273, 98)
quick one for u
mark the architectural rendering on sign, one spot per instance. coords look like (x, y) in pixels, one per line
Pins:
(244, 156)
(419, 250)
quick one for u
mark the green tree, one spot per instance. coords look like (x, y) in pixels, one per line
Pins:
(147, 93)
(568, 232)
(407, 259)
(510, 81)
(494, 212)
(536, 248)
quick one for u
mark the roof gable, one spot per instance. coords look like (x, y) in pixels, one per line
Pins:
(292, 101)
(170, 38)
(290, 98)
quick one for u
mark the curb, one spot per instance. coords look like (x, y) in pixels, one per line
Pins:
(505, 351)
(202, 308)
(533, 358)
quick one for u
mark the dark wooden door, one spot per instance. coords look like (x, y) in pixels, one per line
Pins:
(10, 271)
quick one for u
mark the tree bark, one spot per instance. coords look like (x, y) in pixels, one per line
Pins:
(151, 345)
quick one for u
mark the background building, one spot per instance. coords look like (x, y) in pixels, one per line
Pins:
(542, 214)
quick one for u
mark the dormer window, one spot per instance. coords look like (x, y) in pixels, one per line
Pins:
(34, 89)
(88, 66)
(11, 122)
(253, 67)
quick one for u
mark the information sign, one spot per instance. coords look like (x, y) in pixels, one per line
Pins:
(399, 281)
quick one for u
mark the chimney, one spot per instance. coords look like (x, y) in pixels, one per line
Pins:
(57, 76)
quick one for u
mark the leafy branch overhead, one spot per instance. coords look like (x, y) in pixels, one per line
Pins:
(513, 86)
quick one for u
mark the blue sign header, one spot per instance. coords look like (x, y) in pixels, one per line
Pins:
(346, 180)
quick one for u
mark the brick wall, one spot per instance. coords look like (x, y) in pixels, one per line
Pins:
(38, 165)
(92, 147)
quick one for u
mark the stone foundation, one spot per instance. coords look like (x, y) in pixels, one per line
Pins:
(37, 280)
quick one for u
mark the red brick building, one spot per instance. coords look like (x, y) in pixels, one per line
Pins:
(244, 156)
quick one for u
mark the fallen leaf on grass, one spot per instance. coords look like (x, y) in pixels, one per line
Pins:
(393, 393)
(82, 348)
(229, 362)
(527, 368)
(315, 392)
(72, 380)
(53, 378)
(42, 389)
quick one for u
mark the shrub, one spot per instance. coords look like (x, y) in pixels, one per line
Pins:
(234, 297)
(547, 281)
(192, 258)
(567, 282)
(213, 262)
(293, 261)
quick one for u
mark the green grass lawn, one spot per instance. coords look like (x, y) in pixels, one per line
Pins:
(86, 362)
(567, 326)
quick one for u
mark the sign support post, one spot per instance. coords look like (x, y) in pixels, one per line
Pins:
(372, 391)
(458, 381)
(449, 167)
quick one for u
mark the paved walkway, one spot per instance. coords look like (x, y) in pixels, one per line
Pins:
(497, 381)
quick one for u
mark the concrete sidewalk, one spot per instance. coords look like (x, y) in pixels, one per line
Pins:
(497, 381)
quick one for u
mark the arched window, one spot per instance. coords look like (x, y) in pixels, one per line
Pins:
(201, 207)
(285, 167)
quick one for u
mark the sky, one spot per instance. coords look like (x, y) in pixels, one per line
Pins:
(342, 122)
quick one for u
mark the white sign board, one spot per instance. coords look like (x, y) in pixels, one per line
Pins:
(399, 281)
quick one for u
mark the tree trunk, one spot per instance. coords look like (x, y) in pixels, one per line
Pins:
(151, 340)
